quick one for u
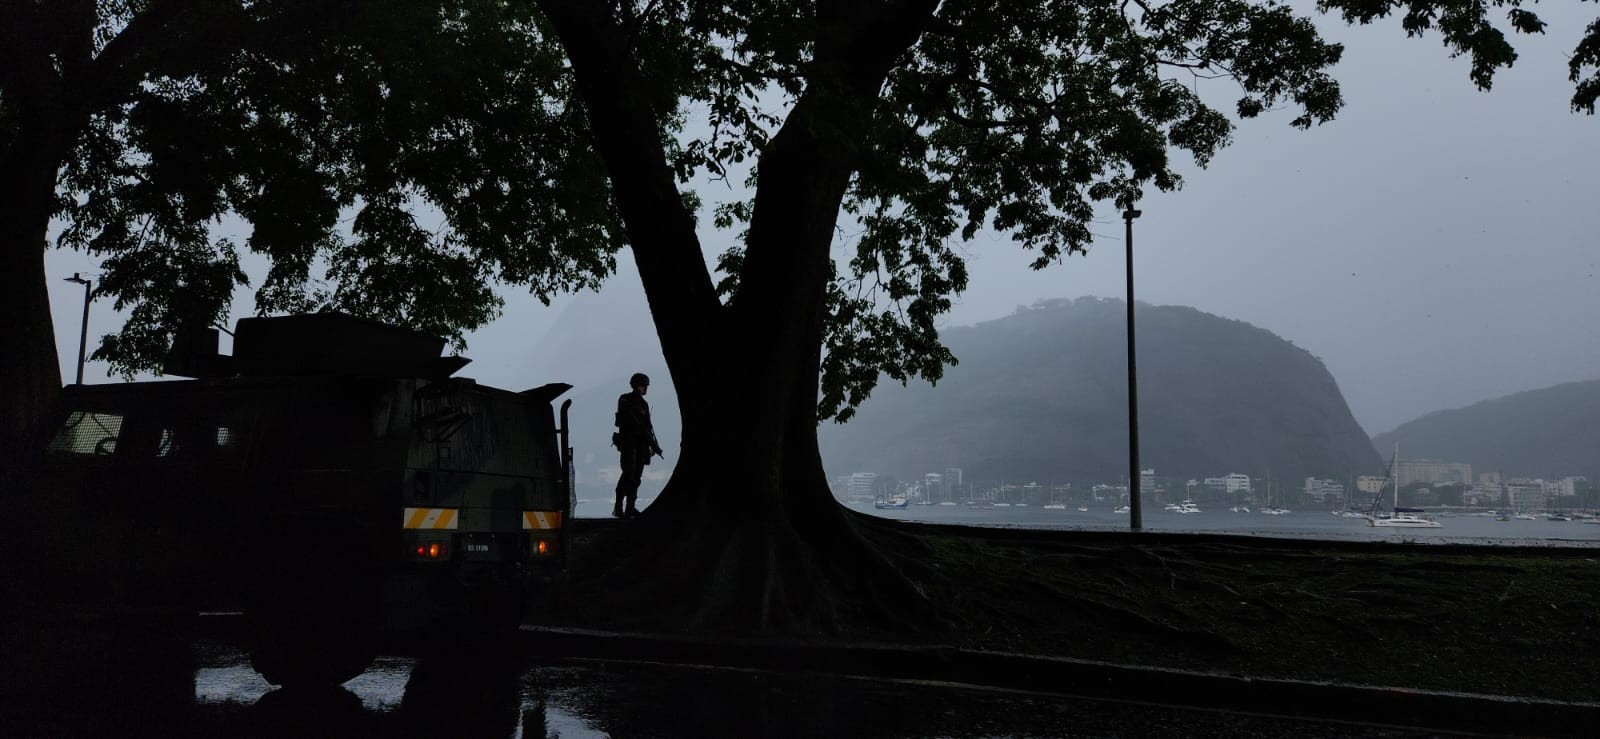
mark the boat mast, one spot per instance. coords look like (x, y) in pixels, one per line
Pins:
(1395, 474)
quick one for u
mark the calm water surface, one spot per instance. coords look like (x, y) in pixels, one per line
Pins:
(1458, 527)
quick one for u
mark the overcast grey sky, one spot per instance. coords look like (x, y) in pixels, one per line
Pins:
(1434, 246)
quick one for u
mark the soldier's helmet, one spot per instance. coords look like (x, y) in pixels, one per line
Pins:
(638, 379)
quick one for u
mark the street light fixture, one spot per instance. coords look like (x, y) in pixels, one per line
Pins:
(83, 333)
(1135, 509)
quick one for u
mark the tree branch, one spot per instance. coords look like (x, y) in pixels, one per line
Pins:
(627, 133)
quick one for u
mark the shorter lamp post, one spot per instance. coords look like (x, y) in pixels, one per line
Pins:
(83, 333)
(1135, 508)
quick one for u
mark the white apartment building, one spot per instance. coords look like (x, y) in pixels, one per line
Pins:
(1231, 483)
(1371, 484)
(1324, 491)
(1484, 493)
(1527, 495)
(1408, 471)
(862, 484)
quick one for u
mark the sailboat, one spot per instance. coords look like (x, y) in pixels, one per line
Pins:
(1403, 518)
(1270, 509)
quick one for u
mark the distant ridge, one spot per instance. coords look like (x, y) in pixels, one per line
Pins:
(1554, 431)
(1041, 395)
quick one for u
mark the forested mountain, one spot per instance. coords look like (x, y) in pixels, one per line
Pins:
(1041, 395)
(1038, 395)
(1540, 433)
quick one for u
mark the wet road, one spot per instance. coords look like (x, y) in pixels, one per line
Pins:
(71, 680)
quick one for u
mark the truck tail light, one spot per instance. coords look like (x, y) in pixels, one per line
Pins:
(432, 550)
(544, 547)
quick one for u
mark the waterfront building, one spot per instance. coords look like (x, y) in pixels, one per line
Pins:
(1523, 494)
(1325, 492)
(863, 484)
(1408, 471)
(1371, 484)
(1483, 493)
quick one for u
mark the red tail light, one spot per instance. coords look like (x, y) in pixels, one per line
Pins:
(431, 550)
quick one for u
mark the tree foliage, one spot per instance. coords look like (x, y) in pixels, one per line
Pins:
(336, 132)
(1468, 28)
(548, 133)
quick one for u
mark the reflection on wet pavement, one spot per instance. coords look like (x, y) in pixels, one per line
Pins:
(80, 682)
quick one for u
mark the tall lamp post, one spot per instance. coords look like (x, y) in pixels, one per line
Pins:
(1135, 508)
(83, 333)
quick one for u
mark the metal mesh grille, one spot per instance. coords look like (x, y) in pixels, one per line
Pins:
(87, 432)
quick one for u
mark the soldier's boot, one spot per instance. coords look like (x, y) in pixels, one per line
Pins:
(616, 510)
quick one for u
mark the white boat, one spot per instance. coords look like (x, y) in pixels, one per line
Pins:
(1240, 509)
(1404, 521)
(1188, 507)
(1526, 517)
(1120, 509)
(1270, 509)
(1083, 509)
(893, 502)
(1402, 518)
(948, 502)
(1055, 507)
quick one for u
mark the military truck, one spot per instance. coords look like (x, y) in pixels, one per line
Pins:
(331, 479)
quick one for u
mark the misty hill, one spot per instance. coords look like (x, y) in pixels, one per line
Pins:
(1540, 433)
(596, 342)
(1041, 395)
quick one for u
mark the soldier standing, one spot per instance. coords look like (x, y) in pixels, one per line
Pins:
(636, 440)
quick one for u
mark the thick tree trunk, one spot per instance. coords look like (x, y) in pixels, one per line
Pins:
(746, 534)
(30, 375)
(43, 44)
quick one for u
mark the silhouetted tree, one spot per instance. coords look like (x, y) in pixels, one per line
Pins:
(915, 122)
(139, 124)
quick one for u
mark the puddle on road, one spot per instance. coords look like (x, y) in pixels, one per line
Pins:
(90, 685)
(591, 700)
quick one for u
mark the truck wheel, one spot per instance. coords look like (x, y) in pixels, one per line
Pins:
(498, 607)
(314, 618)
(296, 658)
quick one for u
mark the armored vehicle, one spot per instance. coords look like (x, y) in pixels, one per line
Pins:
(331, 479)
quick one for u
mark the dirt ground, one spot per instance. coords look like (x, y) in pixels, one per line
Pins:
(1480, 619)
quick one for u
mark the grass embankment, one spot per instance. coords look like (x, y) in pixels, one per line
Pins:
(1511, 621)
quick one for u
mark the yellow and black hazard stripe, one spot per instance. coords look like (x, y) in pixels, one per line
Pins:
(432, 518)
(541, 519)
